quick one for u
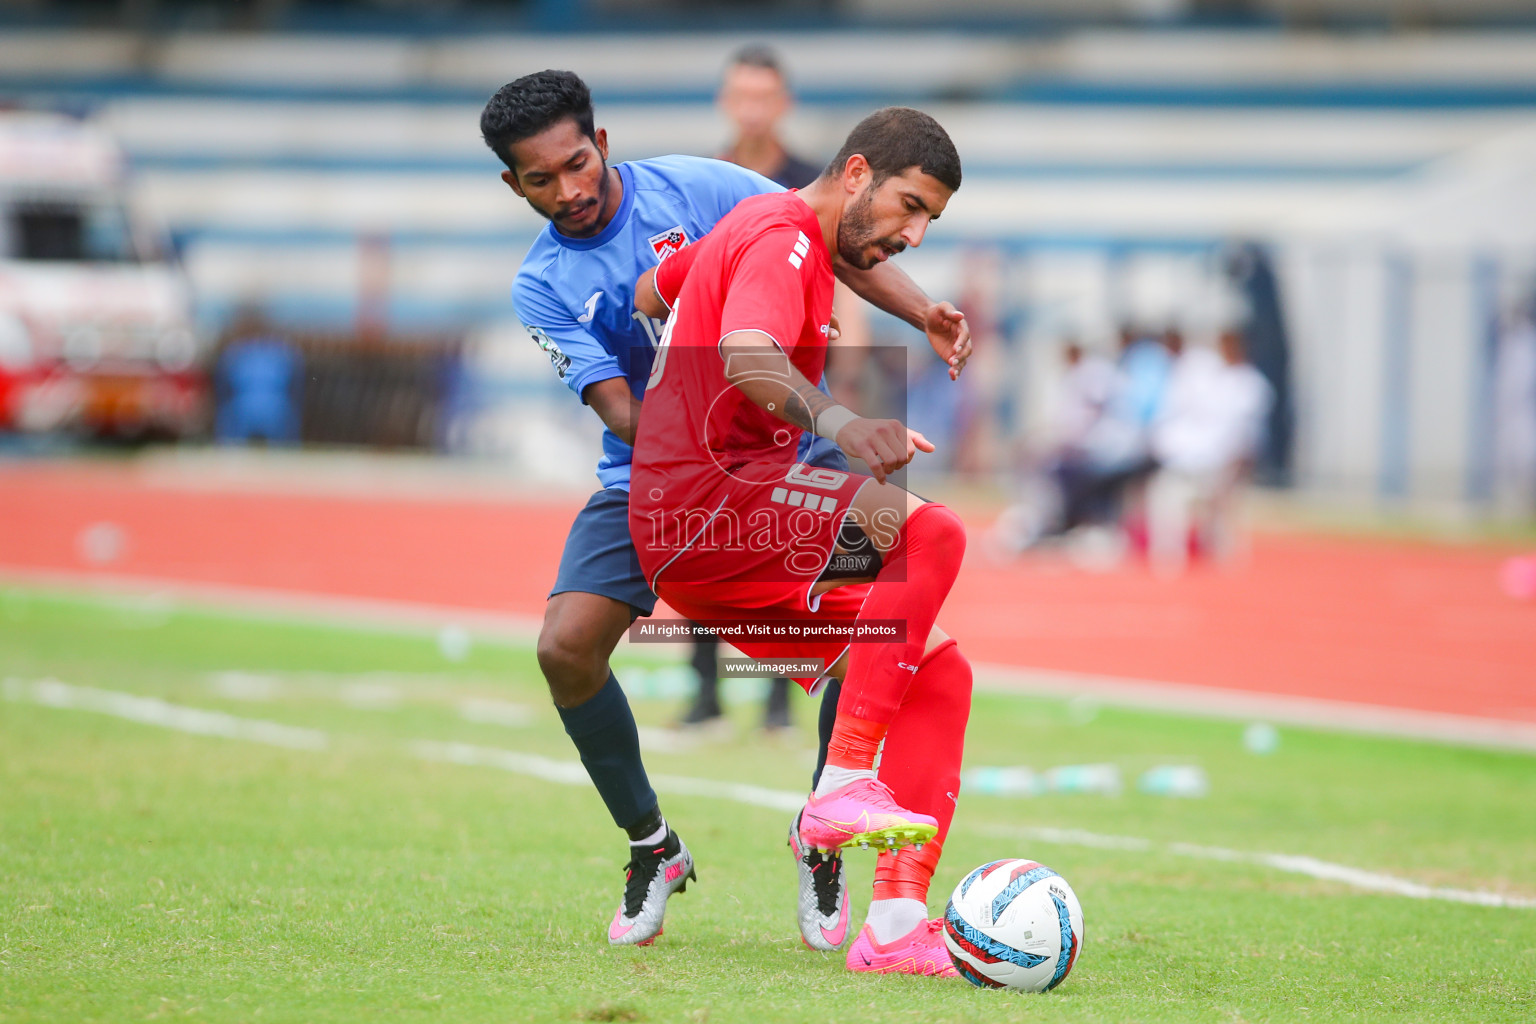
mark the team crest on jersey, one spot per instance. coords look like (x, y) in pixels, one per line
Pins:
(560, 359)
(668, 242)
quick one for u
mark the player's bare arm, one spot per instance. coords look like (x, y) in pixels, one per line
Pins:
(615, 405)
(889, 288)
(759, 369)
(647, 300)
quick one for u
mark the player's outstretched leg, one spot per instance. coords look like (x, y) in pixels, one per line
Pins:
(851, 806)
(580, 631)
(921, 763)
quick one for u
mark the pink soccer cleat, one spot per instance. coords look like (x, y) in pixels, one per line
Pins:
(651, 877)
(862, 813)
(920, 951)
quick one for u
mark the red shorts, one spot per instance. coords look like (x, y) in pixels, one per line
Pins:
(693, 602)
(752, 547)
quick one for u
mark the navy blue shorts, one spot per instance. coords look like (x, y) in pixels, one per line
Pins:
(599, 557)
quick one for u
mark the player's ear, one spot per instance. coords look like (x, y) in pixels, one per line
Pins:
(600, 137)
(856, 173)
(511, 180)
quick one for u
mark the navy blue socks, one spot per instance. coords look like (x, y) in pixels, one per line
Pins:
(829, 695)
(603, 730)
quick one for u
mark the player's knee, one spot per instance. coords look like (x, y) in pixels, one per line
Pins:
(940, 524)
(568, 665)
(939, 533)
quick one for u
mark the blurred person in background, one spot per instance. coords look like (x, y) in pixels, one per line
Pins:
(1205, 438)
(755, 96)
(1145, 363)
(1085, 390)
(1266, 339)
(575, 295)
(257, 384)
(1515, 412)
(1087, 382)
(1099, 446)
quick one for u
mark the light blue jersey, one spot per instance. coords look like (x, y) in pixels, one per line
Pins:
(576, 295)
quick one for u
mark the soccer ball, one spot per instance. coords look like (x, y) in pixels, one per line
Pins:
(1014, 924)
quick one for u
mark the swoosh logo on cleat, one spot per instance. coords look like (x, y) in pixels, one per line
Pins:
(847, 826)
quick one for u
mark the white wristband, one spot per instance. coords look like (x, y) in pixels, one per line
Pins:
(832, 420)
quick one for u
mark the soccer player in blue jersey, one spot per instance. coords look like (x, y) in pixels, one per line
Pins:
(575, 294)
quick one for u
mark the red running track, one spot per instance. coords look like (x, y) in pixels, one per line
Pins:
(1415, 625)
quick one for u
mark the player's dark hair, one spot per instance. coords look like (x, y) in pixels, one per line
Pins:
(533, 103)
(896, 138)
(758, 55)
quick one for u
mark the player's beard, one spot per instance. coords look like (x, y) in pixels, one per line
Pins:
(601, 201)
(856, 233)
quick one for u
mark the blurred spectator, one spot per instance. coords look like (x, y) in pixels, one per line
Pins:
(1085, 391)
(1086, 458)
(1204, 439)
(1267, 342)
(1113, 451)
(1145, 363)
(257, 384)
(755, 96)
(1515, 413)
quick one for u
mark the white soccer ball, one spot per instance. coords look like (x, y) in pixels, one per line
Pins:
(1014, 924)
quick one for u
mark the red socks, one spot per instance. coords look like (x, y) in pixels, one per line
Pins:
(921, 764)
(912, 585)
(854, 743)
(907, 874)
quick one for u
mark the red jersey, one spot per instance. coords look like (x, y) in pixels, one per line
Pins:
(763, 268)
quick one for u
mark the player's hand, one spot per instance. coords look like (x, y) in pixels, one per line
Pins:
(834, 329)
(950, 335)
(884, 445)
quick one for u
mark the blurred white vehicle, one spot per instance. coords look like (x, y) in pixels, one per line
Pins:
(95, 316)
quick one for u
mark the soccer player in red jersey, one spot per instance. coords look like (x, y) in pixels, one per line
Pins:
(730, 529)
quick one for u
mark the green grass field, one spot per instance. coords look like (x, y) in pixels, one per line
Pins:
(151, 874)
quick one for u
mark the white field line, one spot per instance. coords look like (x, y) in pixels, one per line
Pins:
(1298, 865)
(151, 711)
(1153, 695)
(1245, 705)
(277, 605)
(370, 693)
(572, 773)
(366, 692)
(496, 712)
